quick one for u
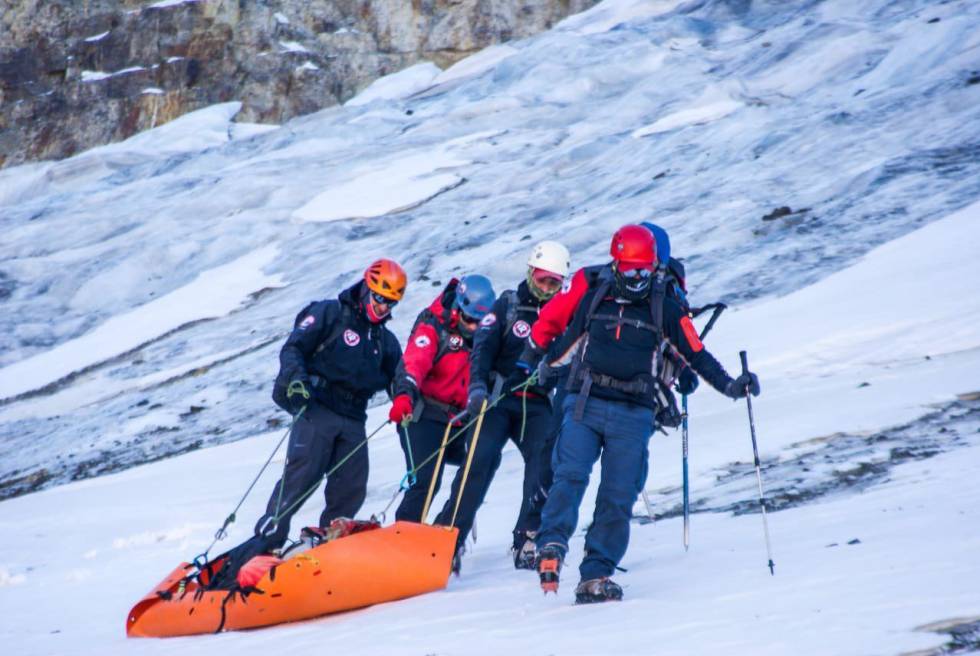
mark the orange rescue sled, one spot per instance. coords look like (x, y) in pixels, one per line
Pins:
(395, 562)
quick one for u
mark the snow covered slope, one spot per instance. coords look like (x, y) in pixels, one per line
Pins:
(875, 545)
(861, 116)
(145, 288)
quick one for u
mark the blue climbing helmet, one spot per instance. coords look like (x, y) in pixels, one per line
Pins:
(474, 300)
(663, 242)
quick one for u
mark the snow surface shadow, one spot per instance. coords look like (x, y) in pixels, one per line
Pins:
(834, 464)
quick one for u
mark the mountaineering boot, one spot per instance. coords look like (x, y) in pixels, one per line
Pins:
(549, 565)
(525, 552)
(596, 591)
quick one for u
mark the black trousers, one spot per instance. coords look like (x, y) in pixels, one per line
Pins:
(501, 423)
(425, 438)
(320, 439)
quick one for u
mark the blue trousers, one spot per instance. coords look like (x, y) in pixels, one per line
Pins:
(617, 432)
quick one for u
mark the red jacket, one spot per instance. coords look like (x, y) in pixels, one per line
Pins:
(446, 378)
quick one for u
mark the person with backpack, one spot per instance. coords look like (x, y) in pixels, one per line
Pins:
(338, 355)
(523, 416)
(431, 390)
(614, 318)
(674, 371)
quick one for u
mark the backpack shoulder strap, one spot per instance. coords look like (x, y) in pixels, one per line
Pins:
(339, 325)
(511, 297)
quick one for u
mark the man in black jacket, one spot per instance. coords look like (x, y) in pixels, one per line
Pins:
(339, 354)
(615, 318)
(523, 416)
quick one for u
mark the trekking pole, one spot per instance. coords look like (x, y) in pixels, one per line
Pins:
(687, 504)
(716, 310)
(469, 461)
(222, 532)
(758, 471)
(435, 473)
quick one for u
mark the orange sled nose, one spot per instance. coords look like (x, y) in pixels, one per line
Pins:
(399, 561)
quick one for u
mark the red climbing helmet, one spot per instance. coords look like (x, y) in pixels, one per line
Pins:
(633, 247)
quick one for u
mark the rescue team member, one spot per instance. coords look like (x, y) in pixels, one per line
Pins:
(431, 387)
(615, 316)
(523, 416)
(339, 354)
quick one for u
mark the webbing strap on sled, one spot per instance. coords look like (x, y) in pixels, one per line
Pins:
(469, 460)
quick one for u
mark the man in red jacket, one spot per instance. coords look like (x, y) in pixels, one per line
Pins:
(431, 387)
(613, 318)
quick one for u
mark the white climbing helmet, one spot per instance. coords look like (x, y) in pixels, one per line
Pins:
(550, 256)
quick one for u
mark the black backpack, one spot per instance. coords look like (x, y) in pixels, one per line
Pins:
(514, 307)
(280, 385)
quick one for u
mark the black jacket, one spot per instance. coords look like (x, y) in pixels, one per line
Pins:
(620, 339)
(341, 356)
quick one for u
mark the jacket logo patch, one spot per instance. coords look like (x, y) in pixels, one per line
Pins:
(422, 341)
(307, 321)
(566, 285)
(488, 320)
(522, 329)
(351, 338)
(455, 342)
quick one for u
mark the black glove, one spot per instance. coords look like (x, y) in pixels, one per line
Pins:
(474, 403)
(530, 356)
(687, 382)
(545, 373)
(747, 382)
(297, 396)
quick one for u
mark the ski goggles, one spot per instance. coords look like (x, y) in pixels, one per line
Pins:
(383, 300)
(636, 274)
(546, 280)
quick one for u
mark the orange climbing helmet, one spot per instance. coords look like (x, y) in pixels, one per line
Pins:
(387, 278)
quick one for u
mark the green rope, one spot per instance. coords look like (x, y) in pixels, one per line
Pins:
(222, 532)
(523, 415)
(532, 379)
(410, 478)
(306, 495)
(412, 472)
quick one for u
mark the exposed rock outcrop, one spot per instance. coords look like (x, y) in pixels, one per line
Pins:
(75, 74)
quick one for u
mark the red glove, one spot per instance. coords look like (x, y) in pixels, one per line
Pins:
(401, 407)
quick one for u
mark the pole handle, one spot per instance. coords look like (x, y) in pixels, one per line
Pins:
(744, 357)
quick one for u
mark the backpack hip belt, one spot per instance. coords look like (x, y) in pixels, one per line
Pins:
(637, 387)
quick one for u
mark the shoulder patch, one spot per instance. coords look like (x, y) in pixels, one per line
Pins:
(488, 320)
(422, 341)
(691, 334)
(521, 329)
(351, 338)
(307, 321)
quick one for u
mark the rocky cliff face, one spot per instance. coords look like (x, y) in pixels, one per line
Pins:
(79, 73)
